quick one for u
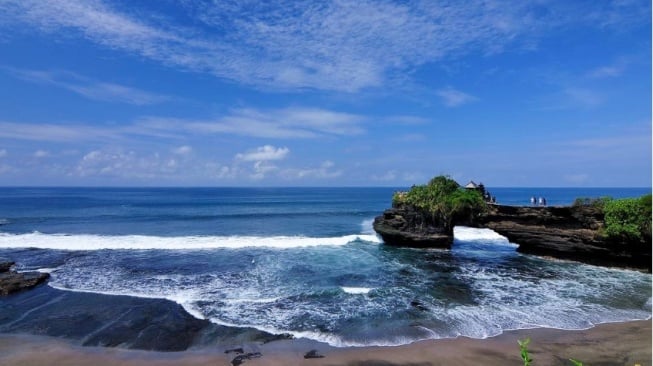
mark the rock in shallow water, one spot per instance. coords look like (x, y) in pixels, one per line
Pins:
(313, 354)
(408, 227)
(12, 281)
(5, 264)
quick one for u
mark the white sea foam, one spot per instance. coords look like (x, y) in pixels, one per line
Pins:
(46, 270)
(181, 297)
(367, 227)
(252, 300)
(140, 242)
(357, 290)
(331, 339)
(474, 234)
(262, 294)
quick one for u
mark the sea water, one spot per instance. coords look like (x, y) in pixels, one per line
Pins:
(306, 261)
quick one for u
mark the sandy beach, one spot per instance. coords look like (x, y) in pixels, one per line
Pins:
(607, 344)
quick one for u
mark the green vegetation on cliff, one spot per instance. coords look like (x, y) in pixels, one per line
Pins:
(626, 219)
(444, 200)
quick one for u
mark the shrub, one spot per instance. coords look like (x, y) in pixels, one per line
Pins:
(628, 219)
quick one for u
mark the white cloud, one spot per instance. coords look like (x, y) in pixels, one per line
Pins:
(115, 93)
(183, 150)
(612, 70)
(55, 132)
(584, 97)
(454, 98)
(264, 153)
(218, 171)
(261, 168)
(339, 45)
(605, 72)
(285, 123)
(126, 164)
(3, 153)
(324, 171)
(394, 175)
(41, 154)
(88, 88)
(262, 157)
(290, 123)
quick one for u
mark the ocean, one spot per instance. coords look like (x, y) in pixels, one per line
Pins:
(306, 261)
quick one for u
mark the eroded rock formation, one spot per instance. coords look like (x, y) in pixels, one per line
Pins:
(403, 226)
(570, 232)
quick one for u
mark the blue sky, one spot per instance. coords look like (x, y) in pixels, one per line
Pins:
(325, 93)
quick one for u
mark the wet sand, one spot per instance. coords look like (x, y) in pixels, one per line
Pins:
(607, 344)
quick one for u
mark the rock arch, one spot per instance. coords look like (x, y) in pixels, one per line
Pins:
(564, 232)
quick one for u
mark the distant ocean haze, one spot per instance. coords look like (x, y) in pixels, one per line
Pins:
(306, 261)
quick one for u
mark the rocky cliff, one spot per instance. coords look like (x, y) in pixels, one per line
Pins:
(571, 232)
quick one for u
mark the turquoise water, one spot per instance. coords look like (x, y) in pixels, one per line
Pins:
(306, 261)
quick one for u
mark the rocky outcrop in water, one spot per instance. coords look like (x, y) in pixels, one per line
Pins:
(12, 281)
(408, 227)
(5, 264)
(571, 232)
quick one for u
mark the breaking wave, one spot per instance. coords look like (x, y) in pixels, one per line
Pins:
(145, 242)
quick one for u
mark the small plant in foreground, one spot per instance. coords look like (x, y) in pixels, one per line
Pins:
(523, 348)
(525, 355)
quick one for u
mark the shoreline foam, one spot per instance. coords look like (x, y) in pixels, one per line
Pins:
(608, 344)
(332, 340)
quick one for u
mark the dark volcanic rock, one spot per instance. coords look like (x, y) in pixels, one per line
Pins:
(267, 338)
(5, 264)
(407, 227)
(418, 305)
(11, 282)
(313, 354)
(235, 350)
(571, 232)
(239, 360)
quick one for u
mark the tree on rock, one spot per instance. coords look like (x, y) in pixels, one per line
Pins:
(444, 200)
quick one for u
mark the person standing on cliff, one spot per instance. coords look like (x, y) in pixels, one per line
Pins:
(532, 200)
(541, 201)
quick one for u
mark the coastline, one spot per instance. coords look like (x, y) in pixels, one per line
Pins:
(79, 328)
(626, 343)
